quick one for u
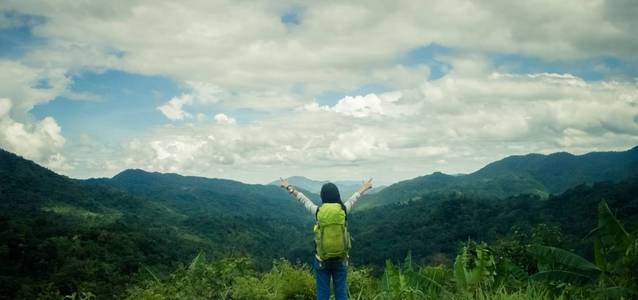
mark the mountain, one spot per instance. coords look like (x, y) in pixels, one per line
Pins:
(346, 187)
(60, 235)
(53, 227)
(197, 196)
(64, 235)
(432, 227)
(523, 174)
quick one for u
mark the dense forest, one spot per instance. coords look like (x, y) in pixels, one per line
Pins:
(155, 236)
(533, 174)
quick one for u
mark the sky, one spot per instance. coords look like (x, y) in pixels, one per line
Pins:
(331, 90)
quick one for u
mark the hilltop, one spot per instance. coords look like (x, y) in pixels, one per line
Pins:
(536, 174)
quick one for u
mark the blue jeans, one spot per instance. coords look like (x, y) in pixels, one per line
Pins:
(335, 269)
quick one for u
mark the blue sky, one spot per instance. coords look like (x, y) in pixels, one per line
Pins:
(339, 91)
(124, 103)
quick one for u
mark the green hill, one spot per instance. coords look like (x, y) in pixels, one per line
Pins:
(196, 196)
(433, 225)
(100, 235)
(60, 235)
(527, 174)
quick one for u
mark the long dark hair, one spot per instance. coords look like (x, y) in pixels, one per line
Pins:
(330, 194)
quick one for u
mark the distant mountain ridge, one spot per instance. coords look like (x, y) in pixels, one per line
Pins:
(107, 230)
(203, 196)
(520, 174)
(346, 187)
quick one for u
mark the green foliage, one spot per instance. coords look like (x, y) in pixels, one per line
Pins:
(412, 282)
(134, 235)
(361, 284)
(60, 236)
(284, 281)
(534, 174)
(550, 258)
(199, 280)
(611, 241)
(436, 223)
(474, 267)
(611, 275)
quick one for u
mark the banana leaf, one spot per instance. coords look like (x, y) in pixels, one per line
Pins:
(561, 275)
(558, 257)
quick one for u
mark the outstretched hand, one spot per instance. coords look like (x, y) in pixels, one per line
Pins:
(284, 183)
(366, 186)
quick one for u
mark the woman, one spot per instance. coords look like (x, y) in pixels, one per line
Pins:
(331, 237)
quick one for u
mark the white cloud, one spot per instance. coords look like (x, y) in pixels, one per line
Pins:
(359, 106)
(173, 109)
(427, 151)
(200, 93)
(22, 87)
(357, 144)
(30, 86)
(365, 106)
(204, 92)
(223, 119)
(455, 124)
(243, 48)
(239, 55)
(40, 141)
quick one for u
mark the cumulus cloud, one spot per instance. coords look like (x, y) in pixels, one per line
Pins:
(354, 145)
(40, 141)
(21, 88)
(200, 93)
(361, 106)
(455, 124)
(30, 86)
(245, 48)
(173, 109)
(223, 119)
(239, 55)
(204, 92)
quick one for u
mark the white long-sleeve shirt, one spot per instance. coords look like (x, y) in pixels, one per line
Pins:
(312, 208)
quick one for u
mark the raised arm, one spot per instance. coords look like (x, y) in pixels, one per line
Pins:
(355, 197)
(307, 203)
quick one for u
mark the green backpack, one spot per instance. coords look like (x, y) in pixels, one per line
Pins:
(331, 232)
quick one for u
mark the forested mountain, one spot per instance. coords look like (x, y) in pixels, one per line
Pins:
(346, 187)
(60, 235)
(64, 234)
(432, 226)
(525, 174)
(197, 196)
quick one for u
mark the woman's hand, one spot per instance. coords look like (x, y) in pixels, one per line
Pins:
(366, 186)
(284, 184)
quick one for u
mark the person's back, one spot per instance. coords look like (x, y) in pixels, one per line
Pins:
(332, 240)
